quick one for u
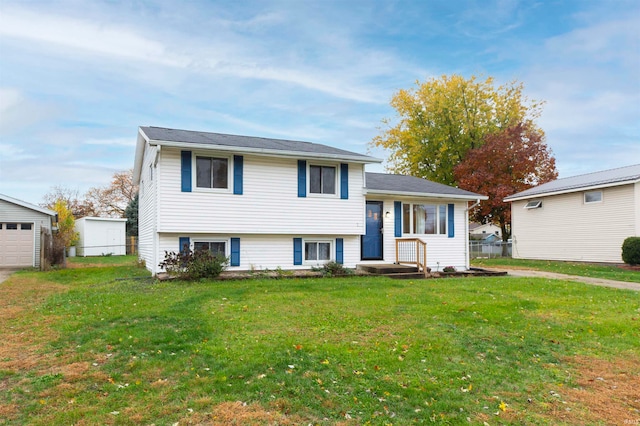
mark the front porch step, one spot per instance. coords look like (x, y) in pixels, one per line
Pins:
(406, 276)
(388, 269)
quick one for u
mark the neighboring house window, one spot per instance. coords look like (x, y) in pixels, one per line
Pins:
(317, 251)
(322, 179)
(593, 197)
(215, 247)
(212, 172)
(428, 219)
(535, 204)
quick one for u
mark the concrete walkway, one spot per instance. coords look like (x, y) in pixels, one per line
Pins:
(5, 273)
(587, 280)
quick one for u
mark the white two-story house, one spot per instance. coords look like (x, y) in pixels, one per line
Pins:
(269, 203)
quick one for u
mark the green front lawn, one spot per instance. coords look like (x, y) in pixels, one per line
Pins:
(111, 346)
(609, 272)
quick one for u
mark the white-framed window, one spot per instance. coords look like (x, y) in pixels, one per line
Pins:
(424, 219)
(323, 179)
(535, 204)
(318, 251)
(593, 197)
(212, 172)
(216, 247)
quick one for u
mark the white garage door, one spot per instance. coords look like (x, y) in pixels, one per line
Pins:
(16, 244)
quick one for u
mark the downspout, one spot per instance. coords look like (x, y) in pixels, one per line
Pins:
(466, 232)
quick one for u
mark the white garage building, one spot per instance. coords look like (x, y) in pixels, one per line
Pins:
(20, 225)
(99, 236)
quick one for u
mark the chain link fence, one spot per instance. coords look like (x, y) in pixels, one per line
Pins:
(486, 250)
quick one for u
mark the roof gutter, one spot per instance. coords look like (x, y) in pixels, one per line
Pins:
(569, 190)
(267, 152)
(426, 194)
(476, 203)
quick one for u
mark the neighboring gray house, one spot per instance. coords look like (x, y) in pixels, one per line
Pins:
(580, 218)
(20, 225)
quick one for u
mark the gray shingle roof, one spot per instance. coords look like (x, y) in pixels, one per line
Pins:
(580, 182)
(252, 143)
(401, 184)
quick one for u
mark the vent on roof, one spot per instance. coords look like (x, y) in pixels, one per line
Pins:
(535, 204)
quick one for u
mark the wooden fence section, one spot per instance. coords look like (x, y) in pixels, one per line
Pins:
(132, 245)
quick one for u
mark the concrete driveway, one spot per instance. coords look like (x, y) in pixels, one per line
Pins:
(587, 280)
(5, 273)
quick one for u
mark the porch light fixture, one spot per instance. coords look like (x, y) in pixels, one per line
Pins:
(387, 214)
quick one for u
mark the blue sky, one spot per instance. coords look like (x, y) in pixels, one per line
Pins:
(78, 77)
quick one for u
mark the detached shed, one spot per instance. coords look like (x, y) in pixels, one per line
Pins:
(100, 236)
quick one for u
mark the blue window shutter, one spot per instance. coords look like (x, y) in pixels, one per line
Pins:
(452, 230)
(185, 171)
(302, 178)
(297, 251)
(238, 166)
(184, 244)
(339, 250)
(397, 216)
(344, 181)
(235, 252)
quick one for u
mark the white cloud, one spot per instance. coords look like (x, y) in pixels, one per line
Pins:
(86, 35)
(13, 153)
(112, 141)
(228, 55)
(17, 112)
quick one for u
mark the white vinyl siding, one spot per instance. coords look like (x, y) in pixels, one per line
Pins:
(441, 250)
(566, 228)
(259, 252)
(13, 213)
(147, 210)
(269, 203)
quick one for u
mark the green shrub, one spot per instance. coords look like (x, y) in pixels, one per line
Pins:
(631, 251)
(332, 269)
(193, 265)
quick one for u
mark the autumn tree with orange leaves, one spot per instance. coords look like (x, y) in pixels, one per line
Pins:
(112, 200)
(512, 160)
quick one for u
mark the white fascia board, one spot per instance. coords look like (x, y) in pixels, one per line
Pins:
(568, 191)
(426, 195)
(137, 163)
(103, 219)
(174, 230)
(267, 152)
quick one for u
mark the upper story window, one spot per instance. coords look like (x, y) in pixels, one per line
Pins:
(593, 197)
(212, 172)
(424, 219)
(322, 179)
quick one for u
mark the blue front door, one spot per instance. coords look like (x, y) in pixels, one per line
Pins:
(372, 240)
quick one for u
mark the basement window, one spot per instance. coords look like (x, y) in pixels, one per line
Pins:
(535, 204)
